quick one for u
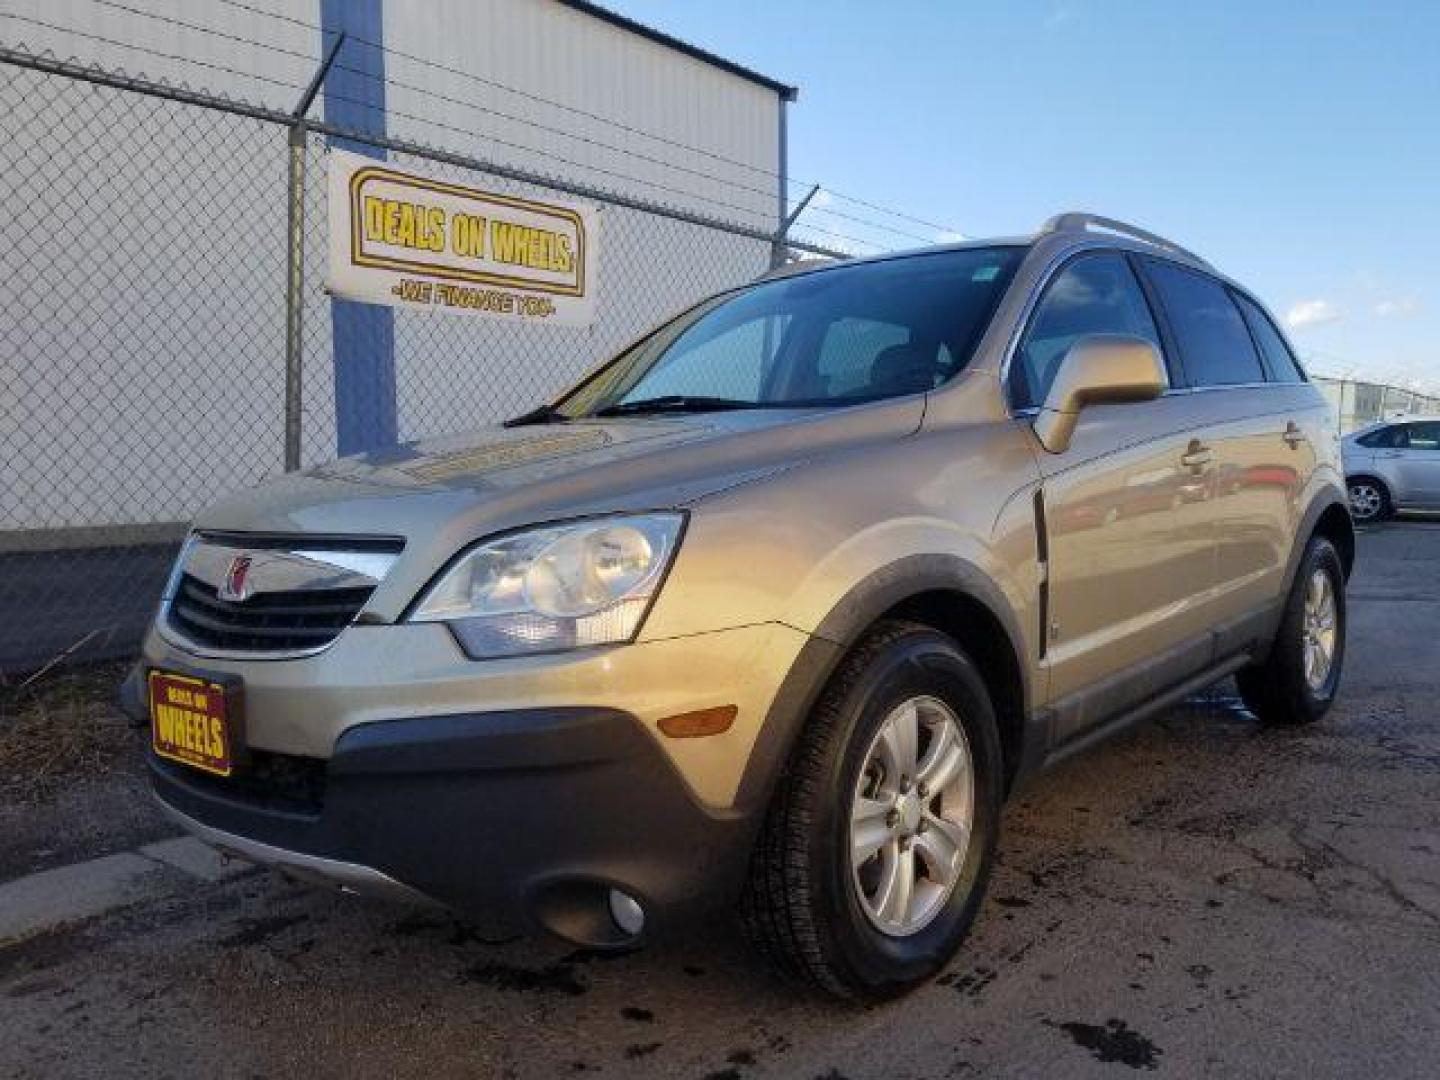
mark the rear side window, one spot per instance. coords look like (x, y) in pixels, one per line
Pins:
(1095, 294)
(1278, 356)
(1214, 344)
(1424, 436)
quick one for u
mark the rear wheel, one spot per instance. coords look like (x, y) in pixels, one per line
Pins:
(1369, 500)
(1298, 680)
(874, 854)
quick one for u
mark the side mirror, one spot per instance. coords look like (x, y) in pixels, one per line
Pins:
(1101, 367)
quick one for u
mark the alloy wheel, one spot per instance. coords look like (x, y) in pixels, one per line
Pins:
(912, 816)
(1319, 629)
(1365, 501)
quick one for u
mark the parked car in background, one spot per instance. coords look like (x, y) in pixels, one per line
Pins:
(1393, 465)
(774, 609)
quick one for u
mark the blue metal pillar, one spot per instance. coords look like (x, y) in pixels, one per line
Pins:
(363, 335)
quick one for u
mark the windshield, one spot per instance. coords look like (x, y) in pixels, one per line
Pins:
(835, 337)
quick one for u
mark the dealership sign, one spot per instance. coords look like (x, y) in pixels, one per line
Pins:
(414, 241)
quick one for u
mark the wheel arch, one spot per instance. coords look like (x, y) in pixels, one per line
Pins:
(941, 591)
(1328, 515)
(1336, 525)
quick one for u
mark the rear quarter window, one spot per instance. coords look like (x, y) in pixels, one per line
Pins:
(1214, 341)
(1278, 357)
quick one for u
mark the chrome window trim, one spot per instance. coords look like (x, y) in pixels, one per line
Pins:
(1031, 411)
(1108, 244)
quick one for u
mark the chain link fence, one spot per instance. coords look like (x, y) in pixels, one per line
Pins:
(1359, 403)
(143, 330)
(144, 253)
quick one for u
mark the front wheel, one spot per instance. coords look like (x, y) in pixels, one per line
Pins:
(873, 858)
(1297, 682)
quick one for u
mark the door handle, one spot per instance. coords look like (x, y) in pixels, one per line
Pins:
(1293, 435)
(1197, 456)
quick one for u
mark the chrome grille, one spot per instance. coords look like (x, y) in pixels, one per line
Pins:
(299, 595)
(284, 621)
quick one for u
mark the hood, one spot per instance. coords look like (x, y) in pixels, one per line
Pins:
(441, 494)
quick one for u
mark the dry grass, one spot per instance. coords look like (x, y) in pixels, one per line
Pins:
(60, 729)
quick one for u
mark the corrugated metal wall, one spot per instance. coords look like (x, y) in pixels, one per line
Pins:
(536, 47)
(126, 336)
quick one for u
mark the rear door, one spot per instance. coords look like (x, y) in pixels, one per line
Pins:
(1258, 422)
(1417, 464)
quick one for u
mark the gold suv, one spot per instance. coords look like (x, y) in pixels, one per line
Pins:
(773, 609)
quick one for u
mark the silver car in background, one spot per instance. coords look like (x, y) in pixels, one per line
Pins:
(1393, 465)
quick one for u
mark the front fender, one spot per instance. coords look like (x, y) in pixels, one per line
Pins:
(837, 630)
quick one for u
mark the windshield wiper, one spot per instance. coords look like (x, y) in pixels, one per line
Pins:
(676, 403)
(545, 414)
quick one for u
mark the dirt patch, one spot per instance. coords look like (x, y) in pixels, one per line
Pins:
(62, 728)
(72, 772)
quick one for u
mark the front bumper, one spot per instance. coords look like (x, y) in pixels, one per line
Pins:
(345, 876)
(531, 816)
(392, 673)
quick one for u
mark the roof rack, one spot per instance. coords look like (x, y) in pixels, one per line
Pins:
(1080, 221)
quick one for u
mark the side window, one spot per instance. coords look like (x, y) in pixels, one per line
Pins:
(1381, 437)
(1214, 344)
(1278, 356)
(1425, 436)
(1095, 294)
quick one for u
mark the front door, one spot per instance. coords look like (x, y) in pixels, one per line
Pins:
(1128, 510)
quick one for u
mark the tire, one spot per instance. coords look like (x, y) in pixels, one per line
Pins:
(805, 906)
(1369, 500)
(1279, 691)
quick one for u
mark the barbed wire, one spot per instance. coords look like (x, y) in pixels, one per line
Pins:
(469, 133)
(796, 182)
(47, 62)
(388, 81)
(158, 54)
(863, 223)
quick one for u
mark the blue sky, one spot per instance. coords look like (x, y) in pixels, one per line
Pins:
(1296, 145)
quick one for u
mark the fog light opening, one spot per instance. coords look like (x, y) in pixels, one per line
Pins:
(629, 916)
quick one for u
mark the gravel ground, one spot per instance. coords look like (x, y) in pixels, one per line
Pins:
(1199, 897)
(71, 772)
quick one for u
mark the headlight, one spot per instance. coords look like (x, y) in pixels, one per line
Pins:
(556, 587)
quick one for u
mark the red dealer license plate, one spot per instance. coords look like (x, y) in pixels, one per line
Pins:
(193, 721)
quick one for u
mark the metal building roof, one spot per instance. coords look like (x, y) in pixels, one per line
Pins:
(788, 93)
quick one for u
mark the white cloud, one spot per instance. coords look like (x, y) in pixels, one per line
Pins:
(945, 236)
(1058, 17)
(1311, 313)
(1397, 307)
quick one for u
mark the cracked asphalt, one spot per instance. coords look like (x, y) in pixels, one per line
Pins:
(1199, 897)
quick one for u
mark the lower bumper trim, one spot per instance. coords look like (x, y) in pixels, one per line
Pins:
(348, 877)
